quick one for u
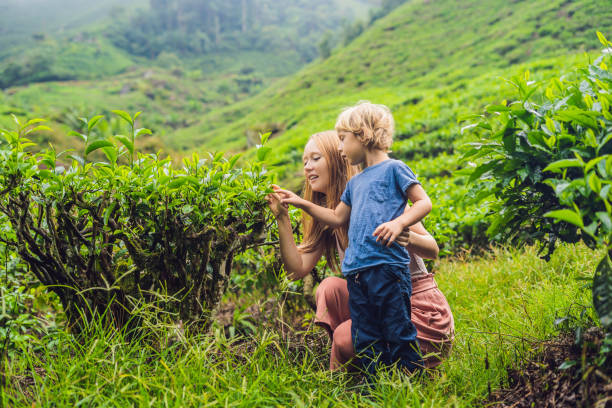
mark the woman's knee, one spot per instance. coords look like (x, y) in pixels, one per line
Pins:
(330, 288)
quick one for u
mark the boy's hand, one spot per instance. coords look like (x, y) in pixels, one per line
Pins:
(388, 231)
(288, 197)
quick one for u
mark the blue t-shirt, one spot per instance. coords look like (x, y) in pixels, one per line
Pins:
(376, 195)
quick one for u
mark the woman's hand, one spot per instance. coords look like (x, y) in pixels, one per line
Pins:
(388, 232)
(404, 238)
(289, 197)
(276, 206)
(417, 240)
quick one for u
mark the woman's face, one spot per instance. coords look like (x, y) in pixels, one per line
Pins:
(316, 168)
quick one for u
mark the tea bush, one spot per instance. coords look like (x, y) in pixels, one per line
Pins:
(548, 163)
(112, 237)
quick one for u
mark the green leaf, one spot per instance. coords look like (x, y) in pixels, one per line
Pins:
(567, 364)
(264, 138)
(93, 122)
(233, 160)
(217, 157)
(482, 169)
(125, 116)
(79, 135)
(33, 122)
(594, 182)
(592, 163)
(126, 142)
(37, 129)
(605, 191)
(497, 108)
(186, 209)
(578, 116)
(566, 215)
(262, 152)
(602, 292)
(98, 144)
(143, 131)
(108, 211)
(111, 154)
(177, 182)
(602, 39)
(77, 158)
(604, 217)
(562, 164)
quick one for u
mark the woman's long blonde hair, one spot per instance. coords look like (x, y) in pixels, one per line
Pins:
(340, 172)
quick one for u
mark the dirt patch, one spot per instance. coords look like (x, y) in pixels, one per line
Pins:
(541, 383)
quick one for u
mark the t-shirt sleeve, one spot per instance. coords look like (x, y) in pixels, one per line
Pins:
(346, 195)
(404, 177)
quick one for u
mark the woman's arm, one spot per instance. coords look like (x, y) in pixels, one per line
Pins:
(417, 240)
(297, 264)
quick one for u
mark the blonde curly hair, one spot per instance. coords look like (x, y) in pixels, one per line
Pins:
(372, 124)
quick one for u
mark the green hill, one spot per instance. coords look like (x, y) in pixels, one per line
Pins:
(421, 47)
(431, 62)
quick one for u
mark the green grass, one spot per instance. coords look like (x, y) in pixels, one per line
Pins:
(504, 305)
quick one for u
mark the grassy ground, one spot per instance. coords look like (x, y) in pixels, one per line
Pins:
(504, 306)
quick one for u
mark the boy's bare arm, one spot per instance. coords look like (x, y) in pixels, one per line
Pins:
(421, 206)
(333, 217)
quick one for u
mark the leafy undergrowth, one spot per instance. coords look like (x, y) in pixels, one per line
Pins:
(504, 305)
(564, 374)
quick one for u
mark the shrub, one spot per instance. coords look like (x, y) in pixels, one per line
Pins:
(112, 236)
(549, 165)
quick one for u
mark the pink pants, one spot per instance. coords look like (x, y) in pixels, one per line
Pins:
(431, 315)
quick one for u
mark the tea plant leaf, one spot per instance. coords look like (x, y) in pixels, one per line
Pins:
(262, 152)
(37, 129)
(98, 144)
(125, 116)
(563, 164)
(567, 216)
(233, 160)
(602, 291)
(143, 131)
(604, 217)
(111, 154)
(126, 142)
(93, 122)
(264, 138)
(602, 39)
(79, 135)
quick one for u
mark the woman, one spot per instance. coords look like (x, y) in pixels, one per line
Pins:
(327, 173)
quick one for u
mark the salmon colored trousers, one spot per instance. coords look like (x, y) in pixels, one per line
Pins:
(430, 314)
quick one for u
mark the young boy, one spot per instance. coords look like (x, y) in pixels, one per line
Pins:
(376, 268)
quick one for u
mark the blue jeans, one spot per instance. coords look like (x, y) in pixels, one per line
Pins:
(382, 332)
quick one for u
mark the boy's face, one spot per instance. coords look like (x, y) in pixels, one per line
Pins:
(351, 147)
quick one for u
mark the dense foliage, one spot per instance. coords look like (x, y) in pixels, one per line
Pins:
(110, 237)
(194, 27)
(548, 163)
